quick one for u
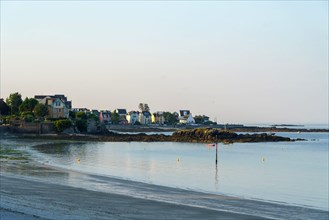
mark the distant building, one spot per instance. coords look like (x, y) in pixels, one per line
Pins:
(183, 113)
(132, 117)
(58, 106)
(145, 117)
(95, 112)
(85, 110)
(158, 118)
(105, 117)
(185, 117)
(122, 115)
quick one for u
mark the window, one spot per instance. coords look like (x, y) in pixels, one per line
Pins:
(59, 110)
(58, 103)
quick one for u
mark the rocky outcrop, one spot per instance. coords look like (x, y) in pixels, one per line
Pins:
(208, 135)
(194, 135)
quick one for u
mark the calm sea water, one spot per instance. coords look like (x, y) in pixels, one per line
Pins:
(286, 172)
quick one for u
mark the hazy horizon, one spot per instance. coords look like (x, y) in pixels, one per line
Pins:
(239, 62)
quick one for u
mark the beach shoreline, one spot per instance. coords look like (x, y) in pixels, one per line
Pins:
(32, 190)
(31, 199)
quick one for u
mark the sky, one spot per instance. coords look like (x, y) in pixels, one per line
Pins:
(237, 62)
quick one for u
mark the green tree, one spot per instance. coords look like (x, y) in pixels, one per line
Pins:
(93, 116)
(81, 124)
(28, 105)
(81, 115)
(14, 101)
(4, 108)
(198, 119)
(40, 110)
(115, 118)
(146, 107)
(143, 107)
(170, 118)
(61, 125)
(27, 116)
(72, 114)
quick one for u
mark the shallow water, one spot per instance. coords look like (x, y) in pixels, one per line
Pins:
(295, 173)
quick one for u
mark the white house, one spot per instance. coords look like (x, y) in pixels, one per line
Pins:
(158, 118)
(132, 117)
(185, 117)
(145, 117)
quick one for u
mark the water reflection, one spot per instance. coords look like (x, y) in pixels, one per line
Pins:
(216, 178)
(241, 170)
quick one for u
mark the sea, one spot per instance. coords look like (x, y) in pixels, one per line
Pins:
(291, 176)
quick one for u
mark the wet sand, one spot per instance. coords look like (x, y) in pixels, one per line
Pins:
(30, 199)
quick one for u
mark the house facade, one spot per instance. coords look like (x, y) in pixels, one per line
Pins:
(145, 117)
(185, 117)
(58, 106)
(122, 115)
(158, 118)
(105, 117)
(132, 117)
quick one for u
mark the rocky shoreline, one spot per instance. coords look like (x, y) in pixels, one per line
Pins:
(124, 128)
(199, 135)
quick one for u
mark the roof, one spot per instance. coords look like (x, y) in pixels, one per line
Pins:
(133, 112)
(184, 112)
(158, 113)
(59, 96)
(121, 111)
(105, 113)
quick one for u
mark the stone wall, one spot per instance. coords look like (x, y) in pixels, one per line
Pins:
(33, 128)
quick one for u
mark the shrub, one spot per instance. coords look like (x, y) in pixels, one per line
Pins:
(81, 124)
(81, 115)
(28, 118)
(61, 125)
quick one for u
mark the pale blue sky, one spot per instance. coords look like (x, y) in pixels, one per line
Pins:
(240, 61)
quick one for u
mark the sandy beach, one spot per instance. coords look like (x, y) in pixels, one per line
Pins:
(28, 199)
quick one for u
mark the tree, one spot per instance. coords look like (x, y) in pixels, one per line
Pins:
(61, 125)
(115, 118)
(146, 107)
(170, 118)
(27, 116)
(4, 108)
(72, 114)
(14, 101)
(81, 115)
(81, 124)
(143, 107)
(198, 119)
(28, 105)
(40, 110)
(93, 116)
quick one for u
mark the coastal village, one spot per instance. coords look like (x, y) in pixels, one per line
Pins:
(52, 108)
